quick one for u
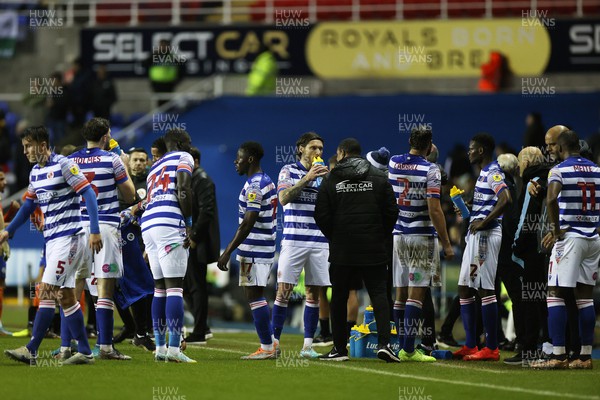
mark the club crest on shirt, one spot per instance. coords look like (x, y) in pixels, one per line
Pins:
(50, 175)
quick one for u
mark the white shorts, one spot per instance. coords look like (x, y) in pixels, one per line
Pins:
(108, 263)
(254, 274)
(314, 261)
(166, 254)
(416, 261)
(63, 255)
(574, 260)
(480, 259)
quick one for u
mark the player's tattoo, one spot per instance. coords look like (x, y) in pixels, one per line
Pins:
(290, 194)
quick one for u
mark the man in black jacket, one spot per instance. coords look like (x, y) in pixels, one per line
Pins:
(526, 254)
(356, 210)
(205, 246)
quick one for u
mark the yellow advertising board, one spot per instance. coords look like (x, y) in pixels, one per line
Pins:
(430, 48)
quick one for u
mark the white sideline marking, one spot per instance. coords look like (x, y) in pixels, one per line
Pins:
(445, 365)
(335, 364)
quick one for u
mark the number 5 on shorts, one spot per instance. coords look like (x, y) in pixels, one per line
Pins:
(60, 269)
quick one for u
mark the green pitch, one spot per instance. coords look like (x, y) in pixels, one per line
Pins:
(220, 374)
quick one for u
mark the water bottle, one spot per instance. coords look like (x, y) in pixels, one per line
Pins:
(369, 319)
(113, 146)
(318, 160)
(455, 195)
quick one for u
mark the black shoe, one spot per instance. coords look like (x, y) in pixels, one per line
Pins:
(207, 334)
(506, 345)
(124, 334)
(426, 349)
(91, 332)
(323, 341)
(334, 355)
(145, 342)
(387, 354)
(517, 359)
(195, 339)
(447, 341)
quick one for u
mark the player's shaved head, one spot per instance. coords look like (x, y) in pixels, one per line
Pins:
(551, 140)
(569, 141)
(554, 132)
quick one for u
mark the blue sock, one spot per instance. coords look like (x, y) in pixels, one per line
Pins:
(557, 322)
(412, 317)
(260, 313)
(65, 334)
(105, 321)
(399, 308)
(311, 318)
(489, 314)
(174, 314)
(587, 321)
(467, 313)
(279, 316)
(43, 320)
(159, 316)
(74, 318)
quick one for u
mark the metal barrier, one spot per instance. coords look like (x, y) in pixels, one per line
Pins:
(226, 12)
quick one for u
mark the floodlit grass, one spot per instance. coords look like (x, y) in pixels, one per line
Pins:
(220, 374)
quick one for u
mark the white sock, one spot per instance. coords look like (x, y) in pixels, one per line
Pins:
(173, 351)
(586, 350)
(64, 348)
(308, 342)
(161, 349)
(106, 347)
(559, 350)
(267, 347)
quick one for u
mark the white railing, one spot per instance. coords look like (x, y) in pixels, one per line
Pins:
(176, 12)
